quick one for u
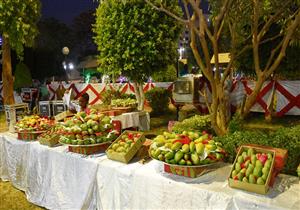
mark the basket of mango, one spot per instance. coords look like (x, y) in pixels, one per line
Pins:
(189, 154)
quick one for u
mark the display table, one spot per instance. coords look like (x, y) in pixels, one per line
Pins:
(56, 179)
(139, 120)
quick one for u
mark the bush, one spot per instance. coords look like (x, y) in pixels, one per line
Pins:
(158, 99)
(195, 123)
(22, 76)
(286, 138)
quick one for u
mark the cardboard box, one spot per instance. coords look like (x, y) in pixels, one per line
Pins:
(63, 115)
(144, 150)
(281, 156)
(261, 189)
(14, 113)
(125, 158)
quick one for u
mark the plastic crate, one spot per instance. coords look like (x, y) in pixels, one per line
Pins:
(14, 113)
(45, 108)
(58, 107)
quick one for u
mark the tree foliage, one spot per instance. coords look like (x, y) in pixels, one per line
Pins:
(18, 19)
(22, 76)
(245, 25)
(133, 39)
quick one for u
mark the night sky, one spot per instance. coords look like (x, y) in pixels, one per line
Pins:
(66, 10)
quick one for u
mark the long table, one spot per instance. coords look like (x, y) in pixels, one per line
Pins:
(57, 179)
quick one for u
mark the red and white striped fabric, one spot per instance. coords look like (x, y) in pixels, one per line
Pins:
(287, 98)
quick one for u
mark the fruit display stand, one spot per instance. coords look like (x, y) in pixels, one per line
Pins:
(14, 113)
(189, 154)
(252, 169)
(125, 146)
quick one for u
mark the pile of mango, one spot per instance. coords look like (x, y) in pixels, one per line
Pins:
(187, 148)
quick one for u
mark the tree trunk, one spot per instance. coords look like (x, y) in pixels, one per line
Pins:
(250, 100)
(139, 94)
(7, 78)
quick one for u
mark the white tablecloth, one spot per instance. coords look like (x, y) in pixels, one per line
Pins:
(56, 179)
(139, 120)
(50, 177)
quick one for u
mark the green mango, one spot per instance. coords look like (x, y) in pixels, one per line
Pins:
(237, 167)
(178, 156)
(247, 163)
(169, 155)
(156, 153)
(265, 170)
(233, 173)
(182, 162)
(248, 172)
(192, 147)
(195, 159)
(257, 171)
(168, 145)
(160, 142)
(270, 157)
(258, 164)
(245, 179)
(199, 148)
(240, 159)
(252, 179)
(185, 148)
(268, 163)
(243, 171)
(176, 146)
(161, 157)
(240, 176)
(250, 152)
(244, 154)
(172, 161)
(186, 156)
(264, 177)
(253, 159)
(260, 181)
(189, 163)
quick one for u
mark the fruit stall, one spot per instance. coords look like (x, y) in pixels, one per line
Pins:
(87, 161)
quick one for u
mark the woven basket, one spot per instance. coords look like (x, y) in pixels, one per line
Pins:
(29, 136)
(54, 140)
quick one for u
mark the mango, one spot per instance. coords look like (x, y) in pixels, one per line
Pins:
(258, 164)
(185, 148)
(264, 177)
(182, 162)
(250, 152)
(192, 147)
(189, 163)
(237, 167)
(268, 163)
(265, 170)
(156, 153)
(172, 161)
(260, 181)
(253, 159)
(169, 155)
(270, 157)
(195, 159)
(245, 179)
(178, 156)
(168, 145)
(240, 159)
(240, 176)
(186, 156)
(252, 179)
(161, 157)
(257, 172)
(176, 146)
(233, 173)
(199, 148)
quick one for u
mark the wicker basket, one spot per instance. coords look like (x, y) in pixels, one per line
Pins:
(88, 149)
(54, 140)
(29, 136)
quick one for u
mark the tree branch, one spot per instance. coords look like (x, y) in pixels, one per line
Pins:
(162, 9)
(255, 40)
(290, 31)
(272, 19)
